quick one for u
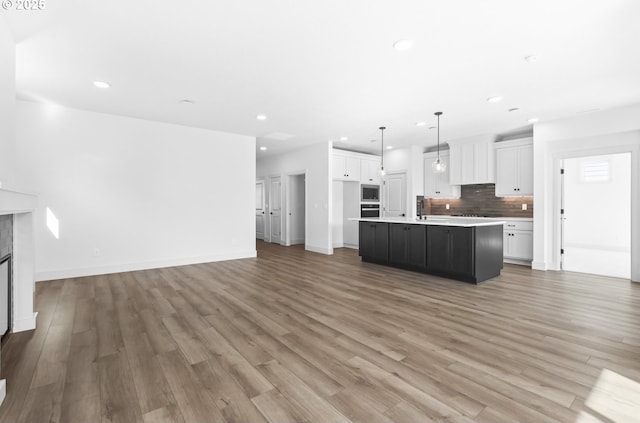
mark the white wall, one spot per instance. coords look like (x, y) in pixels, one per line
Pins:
(7, 106)
(408, 159)
(315, 160)
(606, 132)
(146, 194)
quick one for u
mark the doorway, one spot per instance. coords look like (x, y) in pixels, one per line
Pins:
(275, 210)
(395, 195)
(295, 219)
(260, 209)
(596, 215)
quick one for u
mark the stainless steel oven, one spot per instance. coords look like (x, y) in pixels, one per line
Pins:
(369, 210)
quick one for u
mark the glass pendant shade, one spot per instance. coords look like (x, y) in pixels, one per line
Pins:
(438, 166)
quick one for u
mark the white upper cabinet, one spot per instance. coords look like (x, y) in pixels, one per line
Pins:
(356, 167)
(346, 167)
(471, 160)
(514, 168)
(436, 185)
(370, 171)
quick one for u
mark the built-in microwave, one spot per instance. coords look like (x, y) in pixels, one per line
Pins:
(370, 193)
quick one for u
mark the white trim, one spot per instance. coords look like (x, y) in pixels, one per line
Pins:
(320, 250)
(22, 325)
(3, 390)
(539, 265)
(131, 267)
(556, 162)
(517, 261)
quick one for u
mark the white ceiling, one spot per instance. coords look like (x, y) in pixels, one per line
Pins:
(325, 69)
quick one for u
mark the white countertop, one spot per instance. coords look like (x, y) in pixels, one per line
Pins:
(513, 219)
(433, 220)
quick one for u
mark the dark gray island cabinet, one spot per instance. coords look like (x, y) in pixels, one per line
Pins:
(467, 251)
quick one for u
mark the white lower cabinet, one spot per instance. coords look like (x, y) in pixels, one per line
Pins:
(518, 241)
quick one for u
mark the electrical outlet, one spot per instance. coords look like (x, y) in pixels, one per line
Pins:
(524, 206)
(96, 252)
(446, 206)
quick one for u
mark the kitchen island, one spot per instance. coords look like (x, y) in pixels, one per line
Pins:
(468, 250)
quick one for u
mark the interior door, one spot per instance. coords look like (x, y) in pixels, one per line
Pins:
(596, 218)
(275, 213)
(395, 191)
(295, 228)
(260, 210)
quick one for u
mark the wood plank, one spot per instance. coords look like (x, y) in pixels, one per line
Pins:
(194, 401)
(117, 390)
(296, 391)
(227, 392)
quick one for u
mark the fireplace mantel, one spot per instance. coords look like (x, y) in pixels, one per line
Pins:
(13, 202)
(22, 206)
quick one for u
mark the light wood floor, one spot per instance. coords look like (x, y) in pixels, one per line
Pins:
(294, 336)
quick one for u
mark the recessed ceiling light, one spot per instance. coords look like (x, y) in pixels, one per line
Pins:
(494, 99)
(261, 117)
(402, 45)
(389, 147)
(532, 58)
(373, 141)
(533, 120)
(344, 138)
(432, 127)
(263, 148)
(101, 84)
(186, 101)
(421, 123)
(513, 109)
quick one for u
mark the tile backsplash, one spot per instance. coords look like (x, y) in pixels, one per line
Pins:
(480, 200)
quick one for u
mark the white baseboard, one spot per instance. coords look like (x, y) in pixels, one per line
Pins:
(539, 265)
(519, 262)
(352, 246)
(338, 245)
(3, 390)
(320, 250)
(21, 325)
(132, 267)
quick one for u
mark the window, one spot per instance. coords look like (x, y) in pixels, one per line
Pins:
(595, 171)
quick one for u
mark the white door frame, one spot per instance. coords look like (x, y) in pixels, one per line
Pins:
(563, 197)
(287, 219)
(635, 206)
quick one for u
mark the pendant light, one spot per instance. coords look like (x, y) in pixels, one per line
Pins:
(438, 166)
(382, 172)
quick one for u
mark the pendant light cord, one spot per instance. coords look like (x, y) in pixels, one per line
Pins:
(382, 128)
(438, 115)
